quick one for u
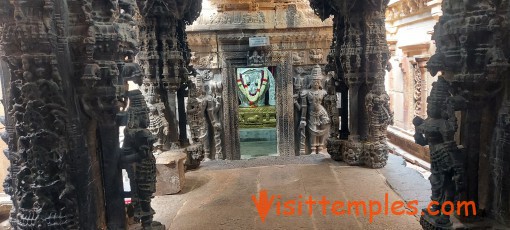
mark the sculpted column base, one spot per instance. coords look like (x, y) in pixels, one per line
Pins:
(353, 151)
(335, 147)
(440, 222)
(195, 154)
(375, 154)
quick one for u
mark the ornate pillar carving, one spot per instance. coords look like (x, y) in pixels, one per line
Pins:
(67, 61)
(285, 109)
(473, 60)
(165, 56)
(360, 57)
(40, 180)
(232, 150)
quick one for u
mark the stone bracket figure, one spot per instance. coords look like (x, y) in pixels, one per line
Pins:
(139, 161)
(447, 168)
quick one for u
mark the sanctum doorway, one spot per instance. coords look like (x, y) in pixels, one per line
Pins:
(278, 37)
(257, 109)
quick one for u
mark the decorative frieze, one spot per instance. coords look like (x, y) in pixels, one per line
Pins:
(406, 8)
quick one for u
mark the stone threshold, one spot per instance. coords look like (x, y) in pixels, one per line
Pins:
(405, 141)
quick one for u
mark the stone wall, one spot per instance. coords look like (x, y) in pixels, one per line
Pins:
(222, 31)
(410, 24)
(219, 41)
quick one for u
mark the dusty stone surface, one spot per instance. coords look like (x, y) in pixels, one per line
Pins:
(218, 195)
(170, 172)
(5, 208)
(407, 182)
(4, 162)
(266, 161)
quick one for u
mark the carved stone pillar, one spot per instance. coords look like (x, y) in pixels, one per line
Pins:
(285, 109)
(40, 180)
(361, 53)
(352, 153)
(165, 56)
(66, 88)
(421, 87)
(473, 60)
(499, 161)
(232, 150)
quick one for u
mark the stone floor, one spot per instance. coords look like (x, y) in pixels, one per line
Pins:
(254, 149)
(219, 194)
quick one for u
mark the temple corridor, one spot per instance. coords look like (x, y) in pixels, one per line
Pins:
(255, 114)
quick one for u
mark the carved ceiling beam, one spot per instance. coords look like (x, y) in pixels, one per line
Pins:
(406, 8)
(420, 49)
(253, 5)
(309, 34)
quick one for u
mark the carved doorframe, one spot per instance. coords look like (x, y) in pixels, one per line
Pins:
(284, 109)
(230, 115)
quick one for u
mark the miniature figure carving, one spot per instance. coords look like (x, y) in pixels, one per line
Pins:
(380, 115)
(330, 103)
(159, 126)
(255, 58)
(316, 55)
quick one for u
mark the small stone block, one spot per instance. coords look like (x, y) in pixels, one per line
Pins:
(170, 172)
